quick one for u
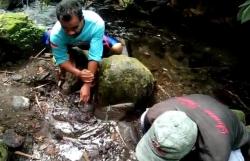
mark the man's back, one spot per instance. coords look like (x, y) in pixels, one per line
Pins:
(219, 129)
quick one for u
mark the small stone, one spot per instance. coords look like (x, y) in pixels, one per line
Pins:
(101, 141)
(16, 77)
(108, 145)
(47, 55)
(20, 102)
(44, 146)
(146, 54)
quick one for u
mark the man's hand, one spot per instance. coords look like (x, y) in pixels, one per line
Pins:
(85, 92)
(86, 76)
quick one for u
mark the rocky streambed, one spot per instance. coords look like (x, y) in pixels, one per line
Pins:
(42, 123)
(38, 121)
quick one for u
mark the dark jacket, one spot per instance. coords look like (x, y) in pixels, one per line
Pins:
(220, 131)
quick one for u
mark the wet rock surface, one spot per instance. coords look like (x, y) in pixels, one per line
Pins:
(20, 102)
(17, 29)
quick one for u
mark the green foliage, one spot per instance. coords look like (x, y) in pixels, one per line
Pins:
(125, 3)
(244, 12)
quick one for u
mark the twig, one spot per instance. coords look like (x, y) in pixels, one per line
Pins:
(164, 91)
(238, 98)
(120, 105)
(167, 72)
(47, 59)
(39, 107)
(71, 139)
(37, 55)
(41, 85)
(25, 155)
(118, 132)
(94, 129)
(7, 72)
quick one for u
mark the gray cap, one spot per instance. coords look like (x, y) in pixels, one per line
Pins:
(171, 136)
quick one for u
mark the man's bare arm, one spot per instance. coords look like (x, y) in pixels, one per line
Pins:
(92, 66)
(69, 67)
(85, 75)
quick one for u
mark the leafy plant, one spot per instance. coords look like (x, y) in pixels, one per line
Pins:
(244, 12)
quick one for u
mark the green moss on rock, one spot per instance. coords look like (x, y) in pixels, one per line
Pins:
(3, 152)
(18, 30)
(123, 79)
(125, 3)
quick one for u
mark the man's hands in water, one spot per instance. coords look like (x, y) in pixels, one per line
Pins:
(85, 93)
(87, 77)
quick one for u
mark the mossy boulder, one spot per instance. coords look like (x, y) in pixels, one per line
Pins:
(241, 115)
(3, 152)
(18, 30)
(123, 79)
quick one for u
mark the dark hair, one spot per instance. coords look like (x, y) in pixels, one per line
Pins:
(68, 8)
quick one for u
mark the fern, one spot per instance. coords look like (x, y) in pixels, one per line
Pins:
(244, 12)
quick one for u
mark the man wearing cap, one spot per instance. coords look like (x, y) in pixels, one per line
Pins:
(193, 127)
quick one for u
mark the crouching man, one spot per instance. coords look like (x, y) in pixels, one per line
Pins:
(78, 38)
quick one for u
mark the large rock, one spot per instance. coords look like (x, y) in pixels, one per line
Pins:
(123, 79)
(18, 30)
(3, 152)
